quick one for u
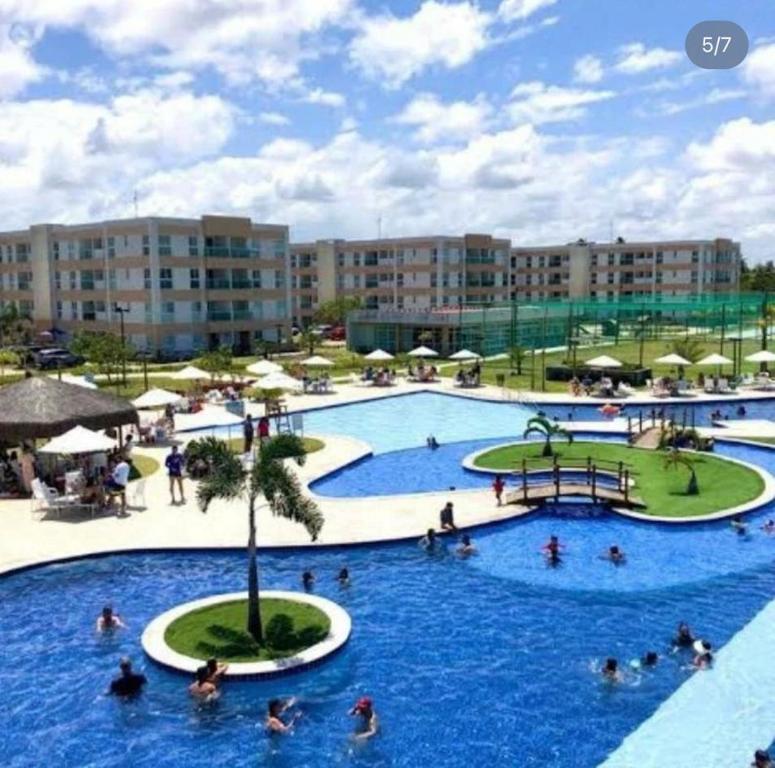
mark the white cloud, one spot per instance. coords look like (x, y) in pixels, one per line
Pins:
(393, 50)
(437, 121)
(17, 67)
(326, 98)
(273, 118)
(536, 102)
(758, 70)
(243, 40)
(518, 10)
(714, 96)
(588, 69)
(635, 58)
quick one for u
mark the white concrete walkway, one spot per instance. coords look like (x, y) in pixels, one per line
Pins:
(719, 717)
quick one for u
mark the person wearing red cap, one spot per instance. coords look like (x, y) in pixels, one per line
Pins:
(369, 724)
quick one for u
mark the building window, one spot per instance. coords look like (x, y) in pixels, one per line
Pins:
(165, 245)
(279, 278)
(193, 279)
(147, 279)
(256, 278)
(73, 281)
(146, 245)
(193, 245)
(73, 310)
(111, 247)
(165, 279)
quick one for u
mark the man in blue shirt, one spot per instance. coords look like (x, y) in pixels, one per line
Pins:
(174, 464)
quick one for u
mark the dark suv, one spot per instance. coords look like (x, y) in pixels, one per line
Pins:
(53, 358)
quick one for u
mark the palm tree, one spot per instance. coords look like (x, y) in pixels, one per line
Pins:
(676, 459)
(689, 349)
(540, 425)
(269, 477)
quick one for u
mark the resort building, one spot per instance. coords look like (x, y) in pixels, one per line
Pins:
(610, 270)
(181, 285)
(410, 273)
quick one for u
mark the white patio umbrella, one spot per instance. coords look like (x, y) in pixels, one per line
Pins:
(317, 361)
(465, 354)
(191, 373)
(714, 359)
(279, 381)
(78, 440)
(79, 381)
(604, 361)
(673, 359)
(378, 355)
(762, 356)
(264, 367)
(156, 398)
(423, 352)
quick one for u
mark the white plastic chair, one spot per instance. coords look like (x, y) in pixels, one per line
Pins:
(138, 494)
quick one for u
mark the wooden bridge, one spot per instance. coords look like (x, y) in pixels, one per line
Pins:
(589, 486)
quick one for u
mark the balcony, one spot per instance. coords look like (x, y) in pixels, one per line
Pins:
(231, 252)
(218, 314)
(215, 284)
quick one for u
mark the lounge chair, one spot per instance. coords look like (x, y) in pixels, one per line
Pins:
(50, 500)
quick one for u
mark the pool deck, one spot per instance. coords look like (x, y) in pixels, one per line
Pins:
(718, 717)
(27, 540)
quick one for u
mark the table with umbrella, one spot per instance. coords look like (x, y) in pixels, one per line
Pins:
(264, 367)
(666, 388)
(424, 374)
(764, 357)
(719, 384)
(472, 377)
(317, 385)
(383, 377)
(605, 363)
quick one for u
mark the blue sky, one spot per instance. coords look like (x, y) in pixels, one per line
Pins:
(541, 120)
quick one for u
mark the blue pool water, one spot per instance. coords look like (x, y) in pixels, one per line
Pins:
(487, 661)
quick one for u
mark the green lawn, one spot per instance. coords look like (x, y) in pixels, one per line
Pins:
(219, 631)
(722, 483)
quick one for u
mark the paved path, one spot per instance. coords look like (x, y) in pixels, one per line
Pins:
(717, 718)
(649, 438)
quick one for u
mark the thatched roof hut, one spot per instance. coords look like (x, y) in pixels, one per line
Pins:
(44, 407)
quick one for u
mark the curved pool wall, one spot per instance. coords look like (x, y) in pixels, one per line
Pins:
(431, 635)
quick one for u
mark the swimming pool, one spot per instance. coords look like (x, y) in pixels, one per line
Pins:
(475, 662)
(486, 661)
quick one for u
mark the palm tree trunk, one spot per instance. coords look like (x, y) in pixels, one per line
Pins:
(254, 614)
(547, 447)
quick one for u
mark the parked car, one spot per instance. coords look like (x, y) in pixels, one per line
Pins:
(52, 358)
(337, 333)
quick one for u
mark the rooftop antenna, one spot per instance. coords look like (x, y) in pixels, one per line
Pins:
(134, 200)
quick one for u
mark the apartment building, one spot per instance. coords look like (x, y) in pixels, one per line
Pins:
(607, 271)
(412, 273)
(183, 284)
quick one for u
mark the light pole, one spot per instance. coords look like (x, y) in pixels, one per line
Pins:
(121, 311)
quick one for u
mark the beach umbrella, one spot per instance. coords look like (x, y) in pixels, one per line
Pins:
(191, 373)
(79, 381)
(673, 359)
(465, 354)
(156, 398)
(714, 359)
(279, 381)
(423, 352)
(264, 367)
(378, 355)
(78, 440)
(603, 361)
(762, 356)
(317, 361)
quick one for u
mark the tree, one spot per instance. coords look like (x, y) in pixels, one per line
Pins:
(271, 478)
(689, 349)
(334, 312)
(540, 425)
(103, 350)
(758, 278)
(674, 460)
(15, 327)
(517, 355)
(309, 339)
(216, 362)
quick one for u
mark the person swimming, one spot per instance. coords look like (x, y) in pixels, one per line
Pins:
(429, 542)
(762, 759)
(739, 525)
(551, 550)
(308, 580)
(683, 637)
(703, 658)
(369, 723)
(343, 577)
(215, 671)
(649, 659)
(610, 670)
(769, 526)
(466, 547)
(432, 443)
(202, 687)
(129, 683)
(275, 709)
(108, 620)
(615, 555)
